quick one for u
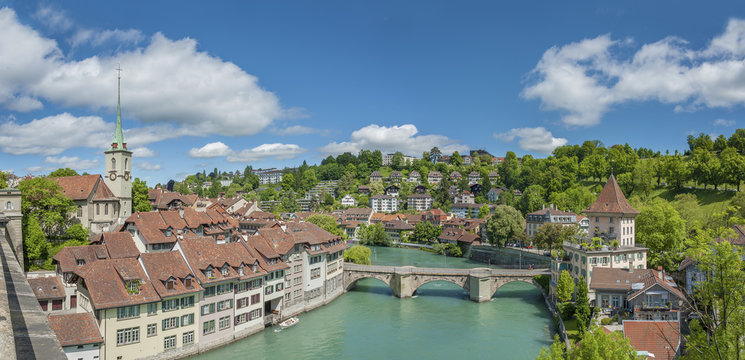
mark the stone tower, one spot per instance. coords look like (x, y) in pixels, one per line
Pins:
(611, 216)
(118, 176)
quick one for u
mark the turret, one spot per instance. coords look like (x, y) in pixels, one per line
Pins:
(118, 176)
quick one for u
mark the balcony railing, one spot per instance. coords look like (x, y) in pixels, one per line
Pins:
(656, 305)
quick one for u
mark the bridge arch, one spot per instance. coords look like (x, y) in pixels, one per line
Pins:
(351, 279)
(502, 282)
(461, 282)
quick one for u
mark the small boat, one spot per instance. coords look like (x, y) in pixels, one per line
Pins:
(289, 322)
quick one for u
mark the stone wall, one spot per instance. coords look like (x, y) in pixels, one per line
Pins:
(508, 257)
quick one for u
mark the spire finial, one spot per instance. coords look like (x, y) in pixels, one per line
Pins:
(119, 143)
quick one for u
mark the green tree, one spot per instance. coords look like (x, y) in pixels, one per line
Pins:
(565, 286)
(215, 189)
(555, 352)
(42, 198)
(325, 222)
(288, 182)
(434, 154)
(456, 160)
(505, 224)
(358, 254)
(660, 228)
(63, 172)
(596, 345)
(397, 162)
(484, 211)
(509, 170)
(140, 197)
(733, 166)
(35, 245)
(582, 312)
(532, 199)
(374, 235)
(643, 178)
(594, 166)
(3, 180)
(288, 202)
(425, 232)
(77, 233)
(675, 171)
(552, 235)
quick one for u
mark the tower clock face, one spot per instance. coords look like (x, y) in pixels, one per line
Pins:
(126, 176)
(112, 176)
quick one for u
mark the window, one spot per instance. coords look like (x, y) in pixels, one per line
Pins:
(98, 209)
(106, 209)
(170, 323)
(188, 338)
(610, 230)
(209, 291)
(187, 319)
(256, 283)
(224, 322)
(223, 305)
(43, 304)
(208, 274)
(128, 336)
(278, 287)
(597, 219)
(208, 309)
(169, 305)
(297, 280)
(224, 270)
(255, 298)
(254, 314)
(240, 319)
(187, 302)
(152, 330)
(298, 293)
(113, 164)
(57, 304)
(188, 283)
(80, 262)
(315, 273)
(241, 287)
(80, 210)
(169, 342)
(208, 327)
(133, 286)
(298, 268)
(268, 290)
(224, 288)
(152, 308)
(126, 312)
(288, 296)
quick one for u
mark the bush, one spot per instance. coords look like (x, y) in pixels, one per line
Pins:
(542, 280)
(358, 254)
(614, 318)
(605, 321)
(566, 310)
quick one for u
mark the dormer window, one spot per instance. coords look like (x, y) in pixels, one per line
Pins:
(208, 273)
(133, 286)
(240, 270)
(255, 267)
(80, 262)
(224, 270)
(169, 232)
(188, 283)
(170, 284)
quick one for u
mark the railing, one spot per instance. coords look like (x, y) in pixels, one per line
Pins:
(657, 305)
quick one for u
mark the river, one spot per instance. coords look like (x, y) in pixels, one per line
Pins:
(368, 322)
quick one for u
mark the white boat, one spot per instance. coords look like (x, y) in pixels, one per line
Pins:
(289, 322)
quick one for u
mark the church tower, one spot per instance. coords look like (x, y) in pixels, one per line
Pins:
(118, 176)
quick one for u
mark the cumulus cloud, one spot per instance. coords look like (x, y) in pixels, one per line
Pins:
(275, 151)
(536, 139)
(144, 165)
(402, 138)
(98, 38)
(72, 162)
(210, 150)
(54, 19)
(54, 134)
(585, 79)
(165, 83)
(724, 123)
(142, 152)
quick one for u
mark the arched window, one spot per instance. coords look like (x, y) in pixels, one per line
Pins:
(113, 164)
(126, 163)
(106, 209)
(8, 205)
(98, 209)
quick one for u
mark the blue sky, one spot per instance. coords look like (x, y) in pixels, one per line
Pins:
(273, 83)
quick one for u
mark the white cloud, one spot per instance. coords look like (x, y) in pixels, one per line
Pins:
(144, 165)
(724, 122)
(585, 79)
(536, 139)
(402, 138)
(143, 152)
(210, 150)
(54, 19)
(98, 38)
(72, 162)
(165, 83)
(275, 151)
(54, 134)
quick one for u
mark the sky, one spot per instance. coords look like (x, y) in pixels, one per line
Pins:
(273, 83)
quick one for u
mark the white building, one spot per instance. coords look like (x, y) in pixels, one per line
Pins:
(384, 203)
(388, 159)
(269, 176)
(419, 202)
(348, 201)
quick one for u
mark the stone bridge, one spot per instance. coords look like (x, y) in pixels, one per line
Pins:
(480, 283)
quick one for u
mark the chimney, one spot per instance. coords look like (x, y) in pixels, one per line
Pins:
(631, 267)
(181, 212)
(659, 269)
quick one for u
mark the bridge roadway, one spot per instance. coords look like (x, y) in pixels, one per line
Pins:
(480, 283)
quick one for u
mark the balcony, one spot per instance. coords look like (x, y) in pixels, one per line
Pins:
(655, 305)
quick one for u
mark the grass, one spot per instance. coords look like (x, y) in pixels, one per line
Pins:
(572, 331)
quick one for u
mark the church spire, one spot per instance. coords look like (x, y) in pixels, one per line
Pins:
(118, 143)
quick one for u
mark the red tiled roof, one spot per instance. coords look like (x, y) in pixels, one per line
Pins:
(202, 254)
(75, 329)
(80, 187)
(118, 244)
(660, 339)
(106, 283)
(68, 257)
(166, 265)
(611, 200)
(47, 287)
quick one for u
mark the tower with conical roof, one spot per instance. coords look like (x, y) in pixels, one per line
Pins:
(611, 215)
(118, 176)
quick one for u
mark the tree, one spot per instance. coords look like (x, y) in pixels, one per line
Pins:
(660, 228)
(456, 160)
(325, 222)
(3, 179)
(555, 352)
(397, 162)
(532, 199)
(643, 178)
(484, 211)
(288, 182)
(717, 301)
(565, 286)
(140, 197)
(288, 202)
(215, 189)
(732, 166)
(509, 170)
(374, 235)
(582, 312)
(358, 254)
(35, 245)
(77, 233)
(505, 224)
(42, 198)
(434, 154)
(425, 232)
(594, 166)
(552, 235)
(596, 344)
(675, 171)
(63, 172)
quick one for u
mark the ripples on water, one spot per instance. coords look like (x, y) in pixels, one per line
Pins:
(439, 322)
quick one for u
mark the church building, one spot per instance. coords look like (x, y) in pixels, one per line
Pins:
(104, 201)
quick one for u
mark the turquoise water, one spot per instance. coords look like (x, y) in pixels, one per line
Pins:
(368, 322)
